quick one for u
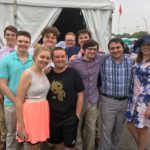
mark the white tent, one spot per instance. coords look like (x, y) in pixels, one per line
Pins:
(34, 15)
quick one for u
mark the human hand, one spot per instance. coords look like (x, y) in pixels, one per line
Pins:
(73, 57)
(47, 70)
(21, 133)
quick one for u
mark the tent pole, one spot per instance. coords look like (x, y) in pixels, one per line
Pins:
(15, 12)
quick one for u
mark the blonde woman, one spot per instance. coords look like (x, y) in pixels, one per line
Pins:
(31, 106)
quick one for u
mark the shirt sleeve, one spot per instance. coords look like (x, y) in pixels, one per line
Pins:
(4, 68)
(79, 86)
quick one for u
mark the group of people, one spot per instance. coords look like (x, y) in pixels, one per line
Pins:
(71, 95)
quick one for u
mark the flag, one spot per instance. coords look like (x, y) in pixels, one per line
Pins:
(120, 10)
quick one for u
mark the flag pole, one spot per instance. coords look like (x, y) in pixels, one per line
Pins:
(118, 24)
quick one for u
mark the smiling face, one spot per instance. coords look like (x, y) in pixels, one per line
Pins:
(23, 43)
(10, 38)
(42, 59)
(116, 50)
(70, 40)
(82, 38)
(90, 52)
(59, 59)
(145, 49)
(49, 40)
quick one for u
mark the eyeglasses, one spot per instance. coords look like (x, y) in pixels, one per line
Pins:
(90, 48)
(69, 40)
(117, 47)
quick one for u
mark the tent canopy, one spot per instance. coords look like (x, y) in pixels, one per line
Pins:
(34, 15)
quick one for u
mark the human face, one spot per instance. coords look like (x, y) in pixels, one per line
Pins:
(10, 38)
(49, 40)
(70, 40)
(116, 50)
(42, 59)
(90, 52)
(145, 49)
(59, 59)
(23, 43)
(82, 38)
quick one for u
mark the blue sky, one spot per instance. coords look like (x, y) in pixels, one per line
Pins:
(135, 16)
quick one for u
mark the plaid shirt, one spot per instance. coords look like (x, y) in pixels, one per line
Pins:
(115, 78)
(89, 71)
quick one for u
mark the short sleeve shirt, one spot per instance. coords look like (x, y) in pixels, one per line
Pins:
(11, 68)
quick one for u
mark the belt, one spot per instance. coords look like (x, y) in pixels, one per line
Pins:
(115, 97)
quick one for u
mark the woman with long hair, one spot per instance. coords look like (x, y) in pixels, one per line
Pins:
(138, 111)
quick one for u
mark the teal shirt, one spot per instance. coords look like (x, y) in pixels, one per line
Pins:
(11, 68)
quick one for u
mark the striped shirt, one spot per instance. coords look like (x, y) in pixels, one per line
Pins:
(115, 77)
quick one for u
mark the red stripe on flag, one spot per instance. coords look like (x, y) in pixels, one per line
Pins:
(120, 10)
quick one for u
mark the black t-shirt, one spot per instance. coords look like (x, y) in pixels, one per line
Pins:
(62, 96)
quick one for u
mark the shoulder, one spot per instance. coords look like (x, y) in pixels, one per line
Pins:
(27, 74)
(128, 58)
(71, 70)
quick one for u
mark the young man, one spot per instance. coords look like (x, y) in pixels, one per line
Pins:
(65, 99)
(115, 77)
(88, 67)
(12, 67)
(49, 38)
(10, 33)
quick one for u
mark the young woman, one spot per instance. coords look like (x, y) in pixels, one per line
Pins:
(138, 112)
(32, 107)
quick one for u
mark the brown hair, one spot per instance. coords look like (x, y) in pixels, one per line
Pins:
(57, 49)
(116, 40)
(90, 43)
(70, 33)
(139, 57)
(52, 30)
(10, 28)
(24, 33)
(144, 39)
(84, 31)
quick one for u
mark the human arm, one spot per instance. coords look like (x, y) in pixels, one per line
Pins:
(73, 58)
(147, 112)
(1, 98)
(79, 105)
(6, 90)
(23, 86)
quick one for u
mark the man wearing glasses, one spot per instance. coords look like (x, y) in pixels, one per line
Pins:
(88, 66)
(70, 41)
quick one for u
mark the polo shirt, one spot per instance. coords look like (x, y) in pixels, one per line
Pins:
(11, 68)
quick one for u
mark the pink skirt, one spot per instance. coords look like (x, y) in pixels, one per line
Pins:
(36, 120)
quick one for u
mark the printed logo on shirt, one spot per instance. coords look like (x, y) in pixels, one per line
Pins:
(57, 89)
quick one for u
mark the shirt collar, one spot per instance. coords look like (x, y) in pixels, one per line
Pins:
(15, 55)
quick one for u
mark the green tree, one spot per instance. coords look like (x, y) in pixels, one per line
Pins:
(138, 34)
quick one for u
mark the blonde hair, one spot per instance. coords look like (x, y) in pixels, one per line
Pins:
(38, 48)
